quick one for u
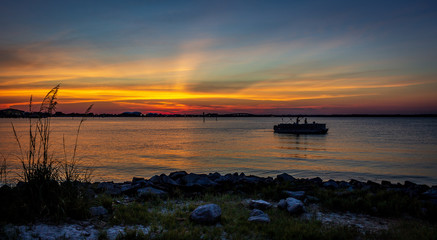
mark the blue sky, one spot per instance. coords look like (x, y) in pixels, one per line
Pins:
(222, 56)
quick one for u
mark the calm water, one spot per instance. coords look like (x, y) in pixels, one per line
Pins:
(394, 149)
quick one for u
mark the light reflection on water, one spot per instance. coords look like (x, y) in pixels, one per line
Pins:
(395, 149)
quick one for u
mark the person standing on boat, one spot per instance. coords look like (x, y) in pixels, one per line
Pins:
(306, 122)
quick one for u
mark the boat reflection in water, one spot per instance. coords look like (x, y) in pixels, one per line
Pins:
(297, 128)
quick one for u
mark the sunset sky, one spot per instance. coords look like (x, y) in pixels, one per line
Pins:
(310, 57)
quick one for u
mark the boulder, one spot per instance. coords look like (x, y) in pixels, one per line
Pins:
(201, 180)
(147, 191)
(98, 211)
(356, 184)
(282, 204)
(155, 179)
(295, 194)
(129, 188)
(373, 185)
(227, 179)
(105, 185)
(252, 179)
(409, 184)
(344, 184)
(137, 179)
(259, 204)
(284, 177)
(206, 214)
(109, 188)
(163, 180)
(330, 184)
(258, 216)
(316, 180)
(167, 180)
(386, 183)
(177, 175)
(292, 205)
(214, 176)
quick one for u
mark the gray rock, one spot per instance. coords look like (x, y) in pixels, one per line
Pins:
(386, 183)
(356, 184)
(253, 179)
(98, 211)
(105, 185)
(282, 204)
(137, 179)
(206, 214)
(344, 184)
(295, 194)
(201, 180)
(50, 232)
(113, 191)
(316, 180)
(163, 179)
(374, 185)
(228, 178)
(142, 192)
(128, 188)
(258, 216)
(109, 188)
(284, 177)
(177, 175)
(259, 204)
(292, 205)
(409, 184)
(431, 193)
(155, 179)
(256, 212)
(142, 183)
(119, 232)
(214, 176)
(330, 184)
(167, 180)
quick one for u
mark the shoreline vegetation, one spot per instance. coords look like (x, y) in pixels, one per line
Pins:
(56, 200)
(249, 207)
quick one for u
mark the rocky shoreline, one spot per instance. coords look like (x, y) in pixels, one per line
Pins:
(162, 185)
(303, 199)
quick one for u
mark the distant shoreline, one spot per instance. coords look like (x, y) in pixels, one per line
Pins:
(229, 115)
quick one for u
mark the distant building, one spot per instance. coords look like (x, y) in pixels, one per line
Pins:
(10, 112)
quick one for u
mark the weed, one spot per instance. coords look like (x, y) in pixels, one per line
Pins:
(3, 171)
(37, 162)
(70, 169)
(41, 195)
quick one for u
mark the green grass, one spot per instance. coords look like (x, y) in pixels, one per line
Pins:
(381, 203)
(169, 219)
